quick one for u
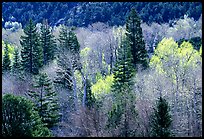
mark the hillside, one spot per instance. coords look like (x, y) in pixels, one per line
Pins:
(85, 13)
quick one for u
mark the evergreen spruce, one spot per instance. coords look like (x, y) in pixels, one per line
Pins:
(31, 53)
(161, 119)
(45, 99)
(75, 50)
(68, 62)
(16, 67)
(47, 42)
(6, 65)
(135, 36)
(123, 98)
(64, 73)
(19, 119)
(90, 99)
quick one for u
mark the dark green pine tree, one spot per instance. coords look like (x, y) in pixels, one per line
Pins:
(31, 53)
(19, 119)
(137, 43)
(45, 99)
(16, 67)
(90, 99)
(6, 65)
(47, 42)
(123, 99)
(75, 49)
(67, 57)
(64, 73)
(161, 119)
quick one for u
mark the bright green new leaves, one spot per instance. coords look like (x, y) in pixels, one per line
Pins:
(169, 55)
(102, 86)
(166, 48)
(84, 57)
(187, 55)
(6, 64)
(10, 49)
(200, 51)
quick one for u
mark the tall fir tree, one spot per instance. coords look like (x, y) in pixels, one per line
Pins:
(19, 119)
(135, 36)
(75, 50)
(161, 119)
(31, 53)
(47, 42)
(16, 67)
(46, 100)
(67, 57)
(64, 73)
(6, 65)
(90, 99)
(123, 98)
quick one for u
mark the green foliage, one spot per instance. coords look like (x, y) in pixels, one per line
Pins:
(45, 99)
(114, 116)
(135, 36)
(188, 55)
(102, 86)
(68, 57)
(200, 51)
(10, 49)
(168, 52)
(64, 73)
(99, 76)
(6, 65)
(85, 13)
(47, 42)
(90, 99)
(123, 98)
(78, 78)
(31, 52)
(84, 54)
(195, 41)
(75, 50)
(19, 119)
(124, 69)
(164, 50)
(16, 67)
(161, 119)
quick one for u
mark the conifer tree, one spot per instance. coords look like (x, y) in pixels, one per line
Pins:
(45, 99)
(6, 65)
(135, 36)
(31, 53)
(64, 73)
(75, 50)
(16, 67)
(123, 99)
(19, 119)
(67, 57)
(47, 42)
(90, 99)
(161, 119)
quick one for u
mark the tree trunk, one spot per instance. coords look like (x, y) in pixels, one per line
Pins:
(75, 90)
(84, 88)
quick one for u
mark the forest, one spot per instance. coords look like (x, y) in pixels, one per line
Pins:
(102, 69)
